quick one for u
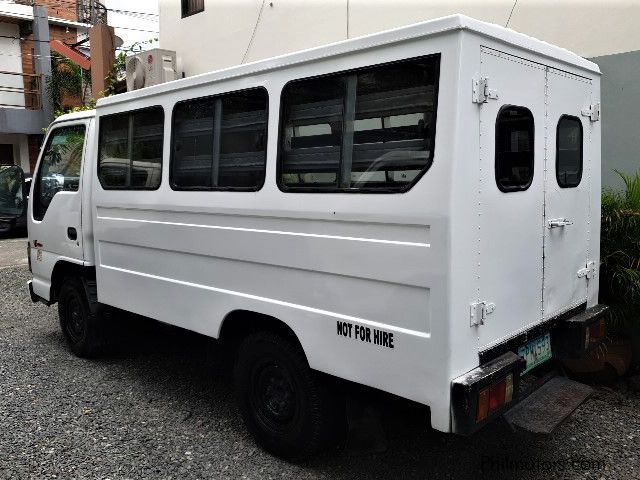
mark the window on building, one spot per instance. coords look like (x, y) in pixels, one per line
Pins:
(219, 143)
(569, 151)
(60, 167)
(191, 7)
(367, 130)
(130, 155)
(514, 148)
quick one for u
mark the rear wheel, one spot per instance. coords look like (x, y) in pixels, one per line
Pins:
(80, 321)
(288, 408)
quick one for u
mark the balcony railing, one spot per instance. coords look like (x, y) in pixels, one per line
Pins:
(25, 92)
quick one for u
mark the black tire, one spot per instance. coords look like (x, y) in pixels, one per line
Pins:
(81, 322)
(288, 408)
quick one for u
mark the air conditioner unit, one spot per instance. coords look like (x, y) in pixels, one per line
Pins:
(150, 68)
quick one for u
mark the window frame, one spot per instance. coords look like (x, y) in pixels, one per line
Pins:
(570, 117)
(521, 188)
(257, 188)
(36, 177)
(281, 128)
(184, 9)
(100, 132)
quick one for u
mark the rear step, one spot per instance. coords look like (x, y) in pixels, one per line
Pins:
(546, 407)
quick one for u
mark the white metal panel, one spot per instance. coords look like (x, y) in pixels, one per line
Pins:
(566, 249)
(510, 232)
(308, 259)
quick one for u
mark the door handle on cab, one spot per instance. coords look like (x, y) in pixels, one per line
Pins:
(559, 222)
(72, 233)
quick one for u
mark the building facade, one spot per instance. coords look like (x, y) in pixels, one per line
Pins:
(247, 30)
(26, 30)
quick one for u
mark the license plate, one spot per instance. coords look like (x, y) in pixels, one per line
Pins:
(536, 351)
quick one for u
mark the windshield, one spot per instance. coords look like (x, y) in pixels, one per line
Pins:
(11, 190)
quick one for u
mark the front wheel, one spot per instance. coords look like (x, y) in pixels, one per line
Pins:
(287, 407)
(80, 321)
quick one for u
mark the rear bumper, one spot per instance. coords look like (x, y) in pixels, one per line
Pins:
(465, 391)
(570, 339)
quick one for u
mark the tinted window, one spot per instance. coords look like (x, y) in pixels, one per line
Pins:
(12, 191)
(191, 7)
(514, 148)
(569, 151)
(219, 143)
(369, 130)
(131, 150)
(60, 167)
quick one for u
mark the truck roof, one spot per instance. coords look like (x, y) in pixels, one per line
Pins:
(422, 29)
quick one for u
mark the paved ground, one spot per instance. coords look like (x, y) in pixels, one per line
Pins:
(13, 251)
(161, 407)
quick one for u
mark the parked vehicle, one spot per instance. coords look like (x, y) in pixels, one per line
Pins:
(14, 195)
(416, 211)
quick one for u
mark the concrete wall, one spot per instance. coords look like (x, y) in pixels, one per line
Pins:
(230, 32)
(10, 61)
(620, 115)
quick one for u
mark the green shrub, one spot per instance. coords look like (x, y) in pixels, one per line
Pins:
(620, 252)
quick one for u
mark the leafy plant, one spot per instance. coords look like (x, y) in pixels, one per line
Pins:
(67, 79)
(620, 252)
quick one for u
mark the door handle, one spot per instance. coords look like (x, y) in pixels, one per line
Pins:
(559, 222)
(72, 233)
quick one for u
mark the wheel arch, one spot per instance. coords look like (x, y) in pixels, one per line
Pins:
(237, 324)
(64, 269)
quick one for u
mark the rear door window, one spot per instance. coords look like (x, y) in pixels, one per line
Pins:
(514, 148)
(569, 152)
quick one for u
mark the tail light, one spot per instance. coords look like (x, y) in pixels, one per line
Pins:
(29, 255)
(494, 397)
(595, 333)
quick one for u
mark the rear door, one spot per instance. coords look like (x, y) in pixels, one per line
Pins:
(567, 187)
(511, 199)
(55, 207)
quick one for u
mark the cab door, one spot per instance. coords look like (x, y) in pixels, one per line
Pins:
(55, 207)
(567, 186)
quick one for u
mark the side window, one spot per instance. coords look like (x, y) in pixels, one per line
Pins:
(514, 148)
(368, 130)
(191, 7)
(219, 143)
(130, 155)
(60, 167)
(569, 151)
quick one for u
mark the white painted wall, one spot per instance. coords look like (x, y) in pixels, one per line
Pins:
(230, 32)
(20, 149)
(10, 61)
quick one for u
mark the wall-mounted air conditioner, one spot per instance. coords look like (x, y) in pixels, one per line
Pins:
(150, 68)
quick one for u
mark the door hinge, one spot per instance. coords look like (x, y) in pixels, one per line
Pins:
(592, 111)
(589, 271)
(479, 311)
(481, 93)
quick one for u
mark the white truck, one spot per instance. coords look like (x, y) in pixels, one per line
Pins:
(417, 211)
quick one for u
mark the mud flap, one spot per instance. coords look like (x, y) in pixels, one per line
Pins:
(544, 409)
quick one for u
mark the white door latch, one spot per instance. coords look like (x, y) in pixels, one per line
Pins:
(589, 271)
(592, 111)
(478, 312)
(480, 91)
(559, 222)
